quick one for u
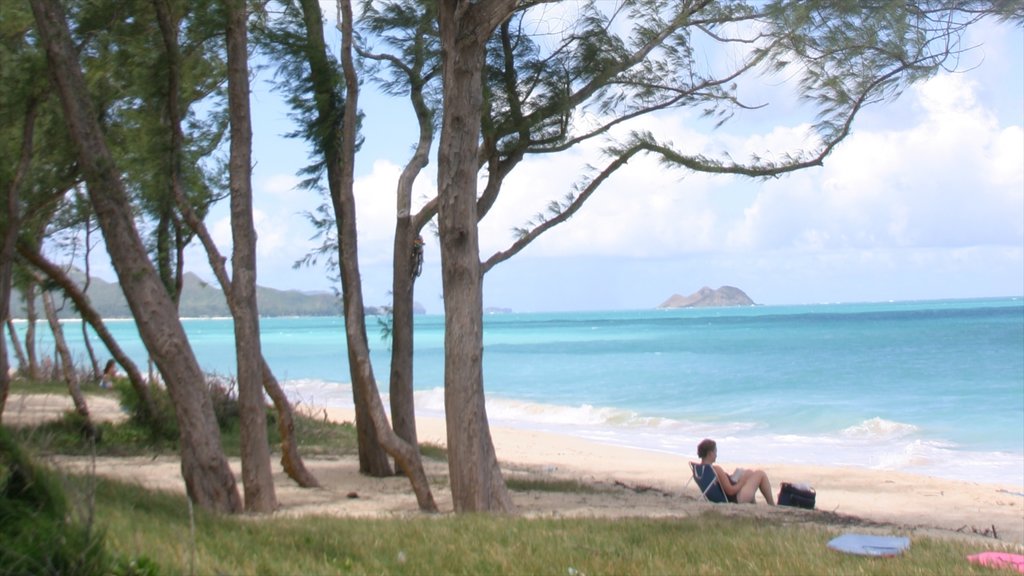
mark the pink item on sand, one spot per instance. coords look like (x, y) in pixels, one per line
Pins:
(999, 560)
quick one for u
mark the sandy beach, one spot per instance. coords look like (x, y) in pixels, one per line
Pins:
(631, 483)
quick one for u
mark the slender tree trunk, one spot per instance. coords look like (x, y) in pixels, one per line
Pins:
(12, 219)
(67, 364)
(87, 342)
(407, 230)
(403, 406)
(406, 455)
(477, 483)
(19, 351)
(291, 460)
(30, 330)
(257, 476)
(97, 373)
(92, 318)
(208, 478)
(373, 459)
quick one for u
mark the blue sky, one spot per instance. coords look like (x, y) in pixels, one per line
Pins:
(925, 200)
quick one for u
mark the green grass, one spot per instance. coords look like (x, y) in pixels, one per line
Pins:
(156, 528)
(151, 532)
(23, 386)
(314, 434)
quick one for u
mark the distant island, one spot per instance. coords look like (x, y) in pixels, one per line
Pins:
(708, 298)
(200, 299)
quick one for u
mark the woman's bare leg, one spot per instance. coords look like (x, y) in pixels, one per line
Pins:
(766, 489)
(750, 483)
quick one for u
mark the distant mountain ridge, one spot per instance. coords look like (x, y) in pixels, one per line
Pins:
(708, 298)
(200, 299)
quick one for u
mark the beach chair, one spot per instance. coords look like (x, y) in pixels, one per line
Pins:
(707, 483)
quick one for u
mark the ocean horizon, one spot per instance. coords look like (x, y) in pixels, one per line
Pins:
(928, 387)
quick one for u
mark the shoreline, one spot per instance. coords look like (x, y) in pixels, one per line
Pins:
(631, 482)
(911, 500)
(874, 444)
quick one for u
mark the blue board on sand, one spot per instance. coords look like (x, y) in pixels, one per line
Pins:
(868, 545)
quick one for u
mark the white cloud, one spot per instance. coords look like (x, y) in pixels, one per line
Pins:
(279, 185)
(934, 181)
(949, 180)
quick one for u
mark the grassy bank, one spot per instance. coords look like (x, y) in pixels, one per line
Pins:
(157, 526)
(145, 532)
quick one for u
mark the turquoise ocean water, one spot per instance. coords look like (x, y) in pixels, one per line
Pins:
(932, 387)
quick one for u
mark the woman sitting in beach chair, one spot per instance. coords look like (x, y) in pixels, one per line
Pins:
(740, 487)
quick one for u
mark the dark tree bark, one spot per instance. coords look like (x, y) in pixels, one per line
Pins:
(477, 483)
(291, 461)
(373, 459)
(208, 478)
(10, 234)
(408, 227)
(406, 455)
(67, 364)
(19, 351)
(257, 476)
(31, 317)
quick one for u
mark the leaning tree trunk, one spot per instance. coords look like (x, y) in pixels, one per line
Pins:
(12, 219)
(31, 317)
(406, 455)
(373, 459)
(257, 476)
(208, 478)
(476, 480)
(67, 365)
(93, 319)
(291, 460)
(16, 344)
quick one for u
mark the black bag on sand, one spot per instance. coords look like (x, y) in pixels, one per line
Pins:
(799, 495)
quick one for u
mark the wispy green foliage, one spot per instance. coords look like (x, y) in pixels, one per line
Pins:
(851, 54)
(281, 34)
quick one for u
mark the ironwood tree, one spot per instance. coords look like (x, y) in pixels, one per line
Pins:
(257, 477)
(846, 56)
(208, 479)
(324, 94)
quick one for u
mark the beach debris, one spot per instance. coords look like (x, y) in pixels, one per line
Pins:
(640, 488)
(986, 532)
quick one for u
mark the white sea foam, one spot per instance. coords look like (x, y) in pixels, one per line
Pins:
(880, 429)
(876, 443)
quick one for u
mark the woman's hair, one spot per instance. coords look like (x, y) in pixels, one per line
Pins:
(705, 447)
